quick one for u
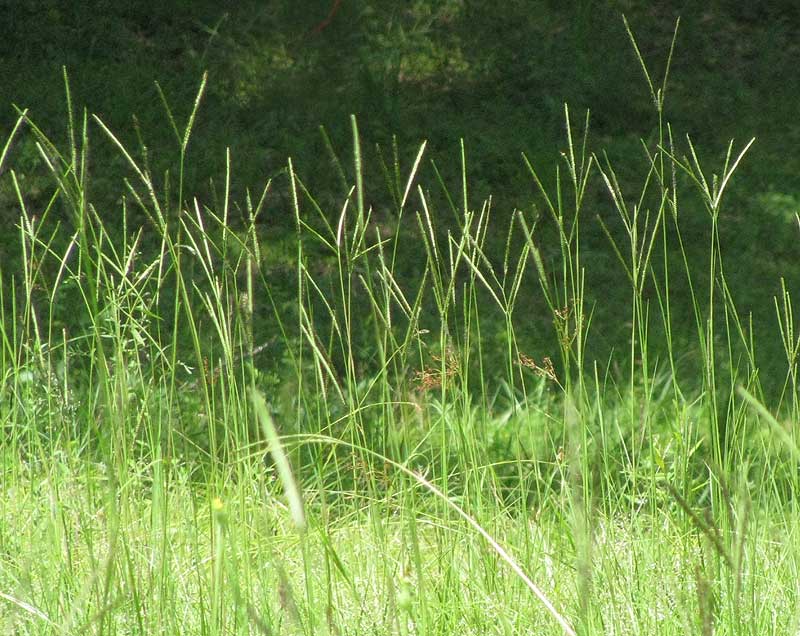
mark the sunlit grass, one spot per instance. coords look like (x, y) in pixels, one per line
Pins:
(377, 475)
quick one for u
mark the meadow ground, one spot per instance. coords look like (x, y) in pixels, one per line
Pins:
(183, 451)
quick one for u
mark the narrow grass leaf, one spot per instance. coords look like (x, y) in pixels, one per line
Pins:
(775, 425)
(278, 453)
(413, 173)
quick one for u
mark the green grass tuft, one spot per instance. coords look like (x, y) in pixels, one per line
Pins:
(187, 448)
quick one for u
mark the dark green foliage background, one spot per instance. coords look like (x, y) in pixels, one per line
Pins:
(495, 74)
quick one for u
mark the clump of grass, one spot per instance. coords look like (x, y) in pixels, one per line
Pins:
(383, 477)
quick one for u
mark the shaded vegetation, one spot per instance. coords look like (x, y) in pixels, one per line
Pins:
(437, 71)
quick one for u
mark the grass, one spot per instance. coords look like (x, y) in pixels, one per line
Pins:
(389, 470)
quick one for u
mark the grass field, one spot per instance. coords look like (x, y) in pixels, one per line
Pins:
(389, 469)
